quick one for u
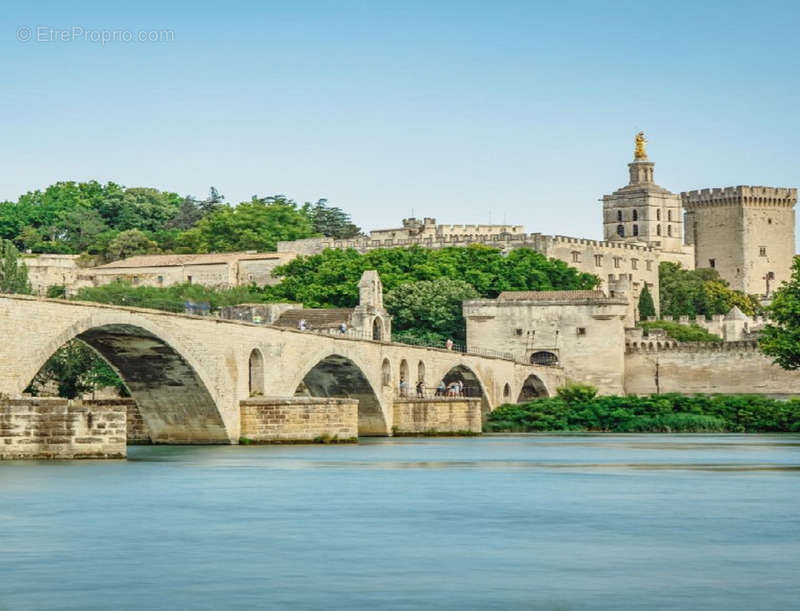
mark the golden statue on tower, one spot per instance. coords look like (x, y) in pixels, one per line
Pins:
(639, 152)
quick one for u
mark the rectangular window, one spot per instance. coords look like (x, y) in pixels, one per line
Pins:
(649, 266)
(762, 251)
(712, 262)
(634, 263)
(581, 331)
(189, 279)
(161, 279)
(576, 256)
(617, 261)
(598, 260)
(518, 332)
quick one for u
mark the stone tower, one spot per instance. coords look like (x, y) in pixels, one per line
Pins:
(642, 211)
(369, 316)
(745, 233)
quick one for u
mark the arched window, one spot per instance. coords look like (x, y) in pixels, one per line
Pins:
(619, 215)
(658, 229)
(256, 373)
(636, 230)
(669, 230)
(386, 372)
(404, 370)
(621, 231)
(506, 391)
(544, 357)
(421, 372)
(635, 215)
(658, 214)
(377, 328)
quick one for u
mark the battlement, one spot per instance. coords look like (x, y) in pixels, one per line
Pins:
(620, 245)
(663, 345)
(489, 230)
(740, 195)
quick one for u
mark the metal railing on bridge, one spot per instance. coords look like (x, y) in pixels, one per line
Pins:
(437, 392)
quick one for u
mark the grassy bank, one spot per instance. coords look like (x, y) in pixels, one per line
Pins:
(670, 413)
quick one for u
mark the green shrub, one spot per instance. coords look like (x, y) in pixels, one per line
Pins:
(576, 408)
(680, 332)
(574, 392)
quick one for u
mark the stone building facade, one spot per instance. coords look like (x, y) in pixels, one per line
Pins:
(581, 331)
(585, 334)
(220, 270)
(49, 270)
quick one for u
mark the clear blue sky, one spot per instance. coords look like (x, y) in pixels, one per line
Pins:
(458, 110)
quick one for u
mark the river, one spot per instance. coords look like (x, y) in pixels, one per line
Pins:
(496, 522)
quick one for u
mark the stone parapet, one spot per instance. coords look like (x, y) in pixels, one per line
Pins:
(47, 428)
(436, 415)
(298, 420)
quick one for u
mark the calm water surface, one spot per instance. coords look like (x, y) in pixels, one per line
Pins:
(511, 522)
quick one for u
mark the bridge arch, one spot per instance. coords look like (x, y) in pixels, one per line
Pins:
(532, 388)
(161, 374)
(336, 375)
(474, 387)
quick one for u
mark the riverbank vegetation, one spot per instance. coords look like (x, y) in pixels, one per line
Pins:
(578, 408)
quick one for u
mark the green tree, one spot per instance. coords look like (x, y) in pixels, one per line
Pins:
(646, 306)
(75, 369)
(780, 338)
(81, 227)
(330, 279)
(140, 208)
(13, 272)
(189, 212)
(700, 292)
(255, 225)
(130, 243)
(212, 203)
(430, 305)
(331, 221)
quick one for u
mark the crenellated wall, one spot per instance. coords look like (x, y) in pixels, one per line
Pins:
(661, 366)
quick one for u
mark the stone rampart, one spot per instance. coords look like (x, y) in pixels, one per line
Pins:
(436, 415)
(298, 420)
(704, 367)
(46, 428)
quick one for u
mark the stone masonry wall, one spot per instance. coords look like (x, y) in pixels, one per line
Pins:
(138, 433)
(298, 419)
(730, 367)
(46, 428)
(436, 415)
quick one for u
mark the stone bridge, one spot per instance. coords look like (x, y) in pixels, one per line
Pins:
(188, 374)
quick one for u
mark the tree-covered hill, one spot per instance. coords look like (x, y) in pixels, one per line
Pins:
(110, 221)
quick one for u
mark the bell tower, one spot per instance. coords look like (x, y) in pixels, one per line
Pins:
(641, 211)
